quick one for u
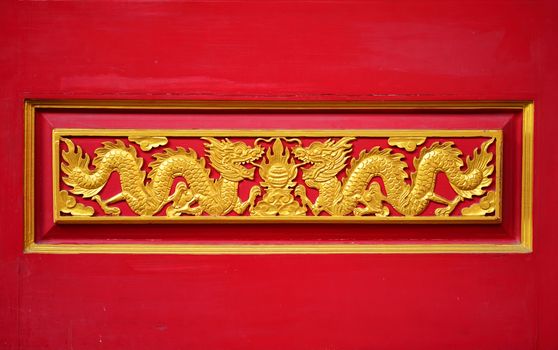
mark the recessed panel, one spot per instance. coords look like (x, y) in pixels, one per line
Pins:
(278, 177)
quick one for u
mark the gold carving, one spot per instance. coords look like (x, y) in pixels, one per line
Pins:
(147, 143)
(215, 197)
(278, 173)
(346, 185)
(525, 110)
(409, 143)
(485, 206)
(341, 198)
(68, 205)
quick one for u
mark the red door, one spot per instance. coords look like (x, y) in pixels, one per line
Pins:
(326, 52)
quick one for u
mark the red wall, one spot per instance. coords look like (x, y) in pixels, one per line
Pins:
(338, 50)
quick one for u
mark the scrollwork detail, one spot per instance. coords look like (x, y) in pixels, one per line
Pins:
(408, 143)
(147, 143)
(486, 205)
(68, 205)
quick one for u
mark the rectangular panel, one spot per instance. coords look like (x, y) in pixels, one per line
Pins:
(294, 177)
(301, 176)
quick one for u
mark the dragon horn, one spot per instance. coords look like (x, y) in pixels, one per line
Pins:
(343, 141)
(212, 141)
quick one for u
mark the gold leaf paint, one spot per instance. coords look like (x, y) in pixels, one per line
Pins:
(486, 205)
(68, 205)
(147, 143)
(343, 181)
(409, 143)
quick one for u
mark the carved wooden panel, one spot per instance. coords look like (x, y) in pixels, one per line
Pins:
(294, 177)
(280, 175)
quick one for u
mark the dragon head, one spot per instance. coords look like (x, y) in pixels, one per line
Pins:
(327, 158)
(228, 158)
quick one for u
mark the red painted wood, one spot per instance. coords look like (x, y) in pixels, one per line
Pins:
(509, 231)
(428, 50)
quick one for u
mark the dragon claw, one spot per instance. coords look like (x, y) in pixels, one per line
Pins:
(446, 211)
(255, 191)
(384, 212)
(359, 211)
(108, 210)
(112, 211)
(443, 211)
(300, 191)
(171, 211)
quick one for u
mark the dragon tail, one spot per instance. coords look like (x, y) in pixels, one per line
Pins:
(475, 164)
(81, 178)
(76, 168)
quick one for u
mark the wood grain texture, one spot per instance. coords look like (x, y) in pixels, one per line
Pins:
(336, 50)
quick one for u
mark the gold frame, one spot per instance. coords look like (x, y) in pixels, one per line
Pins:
(58, 133)
(523, 246)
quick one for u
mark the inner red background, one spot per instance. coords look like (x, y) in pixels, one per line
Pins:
(337, 50)
(89, 144)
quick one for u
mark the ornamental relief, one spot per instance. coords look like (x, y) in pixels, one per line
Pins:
(382, 182)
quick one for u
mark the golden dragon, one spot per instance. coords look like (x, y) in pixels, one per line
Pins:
(214, 197)
(357, 193)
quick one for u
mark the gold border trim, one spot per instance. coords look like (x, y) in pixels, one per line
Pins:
(523, 246)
